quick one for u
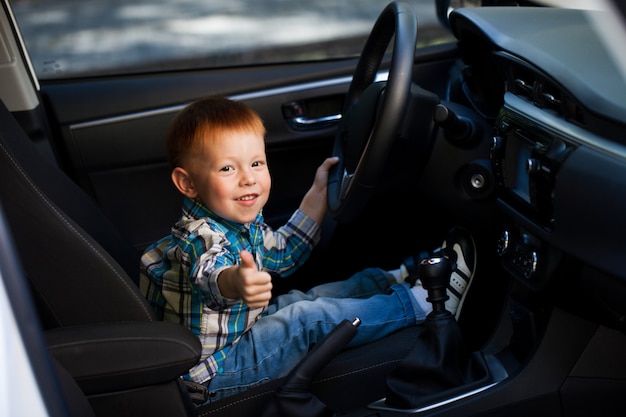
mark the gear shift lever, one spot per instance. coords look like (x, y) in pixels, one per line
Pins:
(440, 364)
(434, 273)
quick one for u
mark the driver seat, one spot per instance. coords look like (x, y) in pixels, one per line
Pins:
(83, 276)
(97, 324)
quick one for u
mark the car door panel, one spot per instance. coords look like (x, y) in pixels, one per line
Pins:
(111, 132)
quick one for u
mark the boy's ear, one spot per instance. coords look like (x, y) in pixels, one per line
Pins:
(182, 181)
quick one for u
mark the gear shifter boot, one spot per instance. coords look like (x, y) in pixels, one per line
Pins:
(440, 364)
(436, 368)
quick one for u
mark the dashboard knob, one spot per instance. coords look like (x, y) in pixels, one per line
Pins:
(497, 147)
(533, 165)
(503, 243)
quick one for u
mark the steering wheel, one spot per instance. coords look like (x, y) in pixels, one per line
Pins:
(372, 112)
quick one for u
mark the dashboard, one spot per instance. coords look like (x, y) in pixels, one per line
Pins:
(556, 97)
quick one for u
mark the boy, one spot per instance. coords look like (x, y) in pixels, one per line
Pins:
(212, 274)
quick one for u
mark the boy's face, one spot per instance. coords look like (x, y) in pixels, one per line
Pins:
(230, 175)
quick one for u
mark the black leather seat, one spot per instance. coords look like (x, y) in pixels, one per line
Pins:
(99, 327)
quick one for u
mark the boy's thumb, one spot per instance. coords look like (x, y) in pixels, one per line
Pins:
(247, 260)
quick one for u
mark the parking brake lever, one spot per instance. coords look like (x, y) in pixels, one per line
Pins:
(294, 397)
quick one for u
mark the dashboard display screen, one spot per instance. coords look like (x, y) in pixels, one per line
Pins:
(515, 170)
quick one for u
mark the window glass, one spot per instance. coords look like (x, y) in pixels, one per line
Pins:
(69, 38)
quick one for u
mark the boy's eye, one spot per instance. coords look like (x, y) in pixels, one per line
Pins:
(226, 168)
(257, 163)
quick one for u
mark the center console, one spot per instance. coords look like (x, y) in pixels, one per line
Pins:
(526, 157)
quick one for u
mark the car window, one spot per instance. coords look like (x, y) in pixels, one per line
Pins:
(70, 38)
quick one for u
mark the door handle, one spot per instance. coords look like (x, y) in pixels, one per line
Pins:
(297, 118)
(304, 123)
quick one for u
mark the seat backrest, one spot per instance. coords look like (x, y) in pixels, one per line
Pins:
(80, 268)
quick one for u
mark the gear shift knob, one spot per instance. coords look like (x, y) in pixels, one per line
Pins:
(435, 272)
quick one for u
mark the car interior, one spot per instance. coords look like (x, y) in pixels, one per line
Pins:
(514, 132)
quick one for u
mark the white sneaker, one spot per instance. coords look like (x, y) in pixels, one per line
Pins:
(462, 243)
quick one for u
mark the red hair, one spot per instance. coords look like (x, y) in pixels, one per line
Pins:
(209, 117)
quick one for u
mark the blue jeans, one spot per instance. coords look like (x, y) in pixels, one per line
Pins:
(296, 321)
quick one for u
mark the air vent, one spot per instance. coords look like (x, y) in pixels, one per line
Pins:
(532, 85)
(548, 96)
(522, 82)
(543, 93)
(524, 87)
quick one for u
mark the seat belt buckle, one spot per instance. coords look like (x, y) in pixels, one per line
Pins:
(198, 393)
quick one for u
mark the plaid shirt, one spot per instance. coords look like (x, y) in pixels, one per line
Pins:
(179, 274)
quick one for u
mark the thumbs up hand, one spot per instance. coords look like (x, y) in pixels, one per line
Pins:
(246, 282)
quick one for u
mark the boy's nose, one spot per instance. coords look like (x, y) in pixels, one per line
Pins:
(248, 178)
